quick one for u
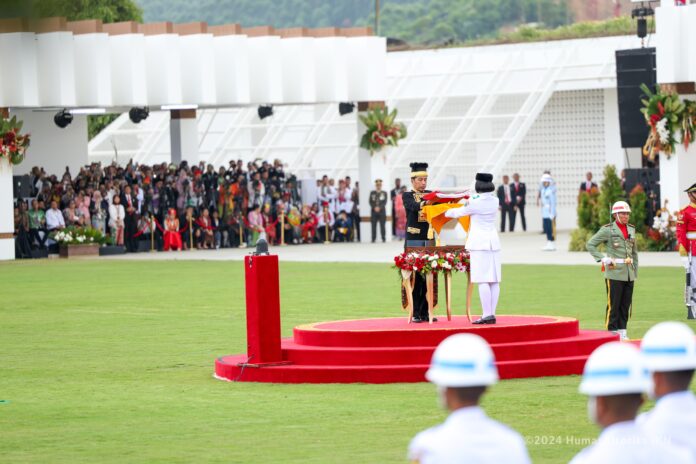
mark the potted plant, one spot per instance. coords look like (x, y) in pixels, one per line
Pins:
(79, 241)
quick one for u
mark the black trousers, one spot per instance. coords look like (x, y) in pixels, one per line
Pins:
(619, 302)
(420, 289)
(420, 300)
(505, 212)
(130, 228)
(380, 218)
(520, 209)
(34, 235)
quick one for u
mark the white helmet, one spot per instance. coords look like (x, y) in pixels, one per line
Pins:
(615, 368)
(546, 178)
(463, 360)
(669, 346)
(620, 207)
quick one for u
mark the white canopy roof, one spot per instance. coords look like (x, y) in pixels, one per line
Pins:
(58, 64)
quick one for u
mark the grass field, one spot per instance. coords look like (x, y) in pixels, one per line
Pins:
(106, 361)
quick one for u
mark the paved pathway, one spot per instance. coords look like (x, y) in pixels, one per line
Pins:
(518, 248)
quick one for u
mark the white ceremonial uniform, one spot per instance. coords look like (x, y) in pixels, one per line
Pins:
(469, 436)
(482, 242)
(674, 419)
(625, 442)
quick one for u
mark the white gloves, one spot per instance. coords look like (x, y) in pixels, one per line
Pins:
(607, 261)
(685, 262)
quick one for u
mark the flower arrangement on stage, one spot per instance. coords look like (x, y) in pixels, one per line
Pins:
(382, 130)
(79, 236)
(426, 263)
(13, 145)
(663, 113)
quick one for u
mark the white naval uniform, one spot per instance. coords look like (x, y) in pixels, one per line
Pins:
(625, 442)
(673, 417)
(482, 243)
(469, 436)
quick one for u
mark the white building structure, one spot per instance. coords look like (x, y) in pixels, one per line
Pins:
(521, 108)
(508, 108)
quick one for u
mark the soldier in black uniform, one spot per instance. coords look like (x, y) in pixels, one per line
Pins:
(417, 233)
(378, 210)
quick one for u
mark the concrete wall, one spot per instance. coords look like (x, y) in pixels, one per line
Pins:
(52, 147)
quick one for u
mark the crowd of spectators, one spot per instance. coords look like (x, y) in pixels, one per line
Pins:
(186, 206)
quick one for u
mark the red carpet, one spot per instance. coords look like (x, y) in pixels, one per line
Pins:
(388, 350)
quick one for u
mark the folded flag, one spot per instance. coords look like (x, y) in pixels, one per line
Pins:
(435, 215)
(440, 197)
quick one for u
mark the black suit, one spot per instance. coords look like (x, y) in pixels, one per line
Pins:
(583, 187)
(417, 235)
(519, 193)
(130, 222)
(507, 207)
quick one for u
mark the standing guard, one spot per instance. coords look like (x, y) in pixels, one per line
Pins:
(378, 210)
(620, 265)
(686, 238)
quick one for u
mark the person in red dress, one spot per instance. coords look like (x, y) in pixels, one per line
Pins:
(172, 236)
(686, 239)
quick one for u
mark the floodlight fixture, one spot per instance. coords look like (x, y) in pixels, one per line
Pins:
(138, 114)
(265, 111)
(345, 108)
(63, 118)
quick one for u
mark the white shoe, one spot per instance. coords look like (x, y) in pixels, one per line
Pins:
(622, 334)
(549, 247)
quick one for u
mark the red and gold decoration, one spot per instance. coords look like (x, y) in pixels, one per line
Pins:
(13, 144)
(667, 115)
(382, 129)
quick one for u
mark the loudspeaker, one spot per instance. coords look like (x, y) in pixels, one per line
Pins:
(21, 186)
(633, 68)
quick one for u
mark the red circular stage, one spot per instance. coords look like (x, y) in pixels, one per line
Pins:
(387, 350)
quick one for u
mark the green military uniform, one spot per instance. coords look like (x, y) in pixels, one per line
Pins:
(619, 278)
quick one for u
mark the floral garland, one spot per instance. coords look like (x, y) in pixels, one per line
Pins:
(664, 113)
(13, 145)
(426, 263)
(381, 130)
(73, 235)
(688, 122)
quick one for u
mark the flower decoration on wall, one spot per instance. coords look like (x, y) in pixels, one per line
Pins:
(13, 144)
(663, 113)
(382, 129)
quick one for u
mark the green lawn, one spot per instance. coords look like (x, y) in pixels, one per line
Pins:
(112, 361)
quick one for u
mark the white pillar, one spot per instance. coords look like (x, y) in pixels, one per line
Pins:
(676, 174)
(371, 168)
(51, 147)
(183, 133)
(6, 212)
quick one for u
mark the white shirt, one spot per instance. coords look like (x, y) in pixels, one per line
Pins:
(625, 442)
(483, 210)
(54, 218)
(320, 216)
(116, 215)
(673, 417)
(469, 436)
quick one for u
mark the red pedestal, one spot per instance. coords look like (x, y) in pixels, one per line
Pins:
(263, 310)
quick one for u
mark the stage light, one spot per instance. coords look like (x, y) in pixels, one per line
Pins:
(137, 114)
(345, 108)
(265, 111)
(63, 118)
